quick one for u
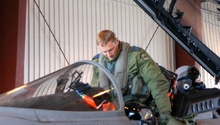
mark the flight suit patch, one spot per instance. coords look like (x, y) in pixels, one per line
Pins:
(144, 56)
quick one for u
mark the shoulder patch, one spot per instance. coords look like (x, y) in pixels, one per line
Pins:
(135, 48)
(96, 56)
(144, 56)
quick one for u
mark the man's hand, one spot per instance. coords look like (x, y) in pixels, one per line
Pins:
(167, 119)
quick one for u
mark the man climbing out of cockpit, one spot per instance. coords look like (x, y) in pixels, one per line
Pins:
(136, 73)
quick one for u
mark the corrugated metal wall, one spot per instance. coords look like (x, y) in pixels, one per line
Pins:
(75, 24)
(211, 36)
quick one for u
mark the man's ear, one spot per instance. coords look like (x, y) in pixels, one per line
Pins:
(116, 41)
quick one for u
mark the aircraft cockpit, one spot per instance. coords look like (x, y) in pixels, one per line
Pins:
(72, 94)
(68, 89)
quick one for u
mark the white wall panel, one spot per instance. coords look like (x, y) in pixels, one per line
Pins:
(211, 38)
(75, 24)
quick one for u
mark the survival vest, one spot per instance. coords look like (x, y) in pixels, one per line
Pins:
(132, 87)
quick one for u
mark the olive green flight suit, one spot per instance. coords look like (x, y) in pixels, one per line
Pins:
(141, 63)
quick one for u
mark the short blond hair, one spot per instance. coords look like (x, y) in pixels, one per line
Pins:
(104, 37)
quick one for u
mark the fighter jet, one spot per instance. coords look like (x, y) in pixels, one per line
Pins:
(66, 97)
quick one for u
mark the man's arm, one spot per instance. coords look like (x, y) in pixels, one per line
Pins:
(95, 76)
(156, 81)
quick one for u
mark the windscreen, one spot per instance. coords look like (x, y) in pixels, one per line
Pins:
(70, 89)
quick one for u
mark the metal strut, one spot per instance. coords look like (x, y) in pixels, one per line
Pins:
(182, 35)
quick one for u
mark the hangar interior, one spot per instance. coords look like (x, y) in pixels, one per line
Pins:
(38, 37)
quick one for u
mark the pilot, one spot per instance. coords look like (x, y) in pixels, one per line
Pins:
(135, 71)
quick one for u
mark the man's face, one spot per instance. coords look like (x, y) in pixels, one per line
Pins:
(110, 49)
